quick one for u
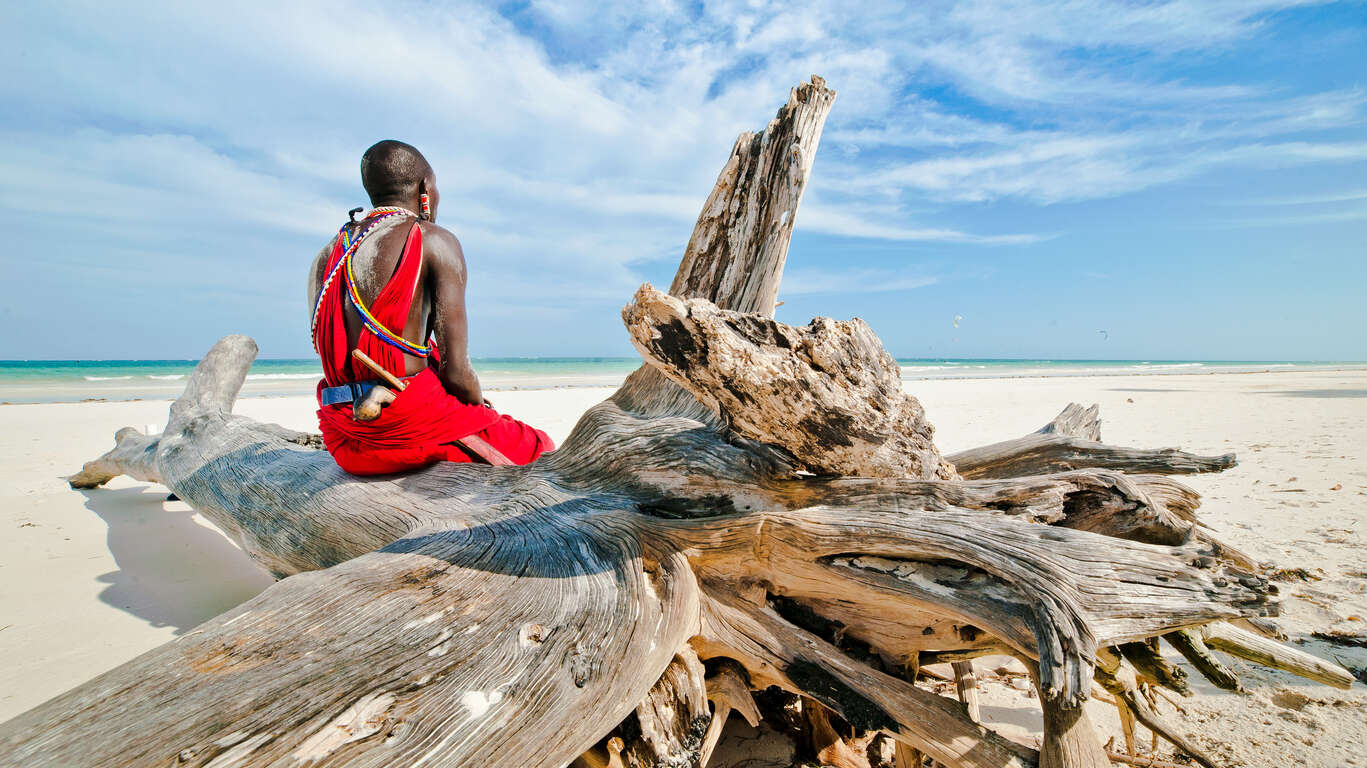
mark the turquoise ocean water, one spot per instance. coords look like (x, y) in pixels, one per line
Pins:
(38, 381)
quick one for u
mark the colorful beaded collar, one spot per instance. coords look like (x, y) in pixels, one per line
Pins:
(351, 241)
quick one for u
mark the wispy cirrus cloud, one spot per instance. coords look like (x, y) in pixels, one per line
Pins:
(1059, 168)
(866, 222)
(808, 281)
(1299, 219)
(1347, 195)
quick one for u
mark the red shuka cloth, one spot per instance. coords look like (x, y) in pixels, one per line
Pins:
(423, 423)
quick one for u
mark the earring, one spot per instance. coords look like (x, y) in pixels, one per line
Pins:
(425, 206)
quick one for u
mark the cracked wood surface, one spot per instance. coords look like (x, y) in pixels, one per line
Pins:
(739, 245)
(844, 411)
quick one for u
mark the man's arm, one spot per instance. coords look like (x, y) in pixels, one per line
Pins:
(446, 278)
(320, 263)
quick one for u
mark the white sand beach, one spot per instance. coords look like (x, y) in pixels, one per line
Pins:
(90, 579)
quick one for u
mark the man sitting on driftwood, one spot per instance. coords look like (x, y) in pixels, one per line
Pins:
(389, 301)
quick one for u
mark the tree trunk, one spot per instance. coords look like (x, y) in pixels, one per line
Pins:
(763, 496)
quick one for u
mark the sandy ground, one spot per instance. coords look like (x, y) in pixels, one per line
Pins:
(90, 579)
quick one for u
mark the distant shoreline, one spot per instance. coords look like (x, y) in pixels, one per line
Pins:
(603, 373)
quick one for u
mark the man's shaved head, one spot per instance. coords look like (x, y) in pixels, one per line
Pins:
(392, 170)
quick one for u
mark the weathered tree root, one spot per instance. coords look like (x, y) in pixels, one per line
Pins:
(760, 495)
(729, 690)
(1072, 441)
(1153, 668)
(1270, 653)
(1122, 682)
(1190, 644)
(775, 652)
(134, 454)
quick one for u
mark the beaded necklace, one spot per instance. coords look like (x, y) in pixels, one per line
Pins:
(351, 241)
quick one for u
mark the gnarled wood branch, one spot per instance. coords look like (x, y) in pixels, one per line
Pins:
(134, 454)
(1270, 653)
(1072, 441)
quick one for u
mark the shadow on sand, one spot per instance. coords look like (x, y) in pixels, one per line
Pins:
(173, 570)
(1026, 716)
(1321, 393)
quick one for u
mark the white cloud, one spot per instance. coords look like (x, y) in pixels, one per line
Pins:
(816, 281)
(866, 223)
(1345, 214)
(130, 181)
(1321, 199)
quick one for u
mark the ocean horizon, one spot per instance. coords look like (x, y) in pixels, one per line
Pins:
(50, 381)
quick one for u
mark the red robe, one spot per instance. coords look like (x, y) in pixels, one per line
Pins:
(423, 423)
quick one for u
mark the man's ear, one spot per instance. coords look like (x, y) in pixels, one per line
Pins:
(424, 201)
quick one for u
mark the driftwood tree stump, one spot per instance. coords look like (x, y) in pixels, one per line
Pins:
(760, 505)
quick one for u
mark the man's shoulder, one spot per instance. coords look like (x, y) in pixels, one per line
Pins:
(441, 243)
(436, 233)
(324, 253)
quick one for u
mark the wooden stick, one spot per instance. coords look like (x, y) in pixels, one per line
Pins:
(485, 451)
(1190, 644)
(398, 384)
(1270, 653)
(1126, 725)
(727, 689)
(1168, 698)
(1140, 760)
(963, 654)
(1151, 665)
(904, 756)
(967, 687)
(1121, 682)
(476, 444)
(1069, 739)
(720, 713)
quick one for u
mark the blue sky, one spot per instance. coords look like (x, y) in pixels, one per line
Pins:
(1190, 177)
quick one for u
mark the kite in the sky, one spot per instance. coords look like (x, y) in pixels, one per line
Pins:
(1104, 336)
(957, 319)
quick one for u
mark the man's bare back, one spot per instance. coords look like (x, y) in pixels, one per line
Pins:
(438, 309)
